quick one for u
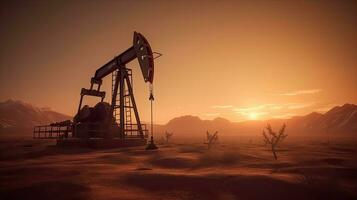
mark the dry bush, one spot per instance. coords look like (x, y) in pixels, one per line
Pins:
(168, 136)
(273, 139)
(212, 139)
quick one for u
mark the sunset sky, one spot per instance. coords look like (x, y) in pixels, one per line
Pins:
(240, 60)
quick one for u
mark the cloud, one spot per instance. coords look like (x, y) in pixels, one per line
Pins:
(247, 109)
(210, 114)
(326, 107)
(222, 106)
(269, 106)
(299, 105)
(301, 92)
(284, 116)
(253, 115)
(277, 107)
(257, 113)
(274, 110)
(254, 110)
(273, 107)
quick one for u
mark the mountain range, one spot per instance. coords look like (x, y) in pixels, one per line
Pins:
(16, 114)
(339, 119)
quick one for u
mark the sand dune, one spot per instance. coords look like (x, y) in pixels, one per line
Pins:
(239, 170)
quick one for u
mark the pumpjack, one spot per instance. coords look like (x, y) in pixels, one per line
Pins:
(109, 125)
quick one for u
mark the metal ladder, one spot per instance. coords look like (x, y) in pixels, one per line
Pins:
(116, 111)
(127, 104)
(128, 107)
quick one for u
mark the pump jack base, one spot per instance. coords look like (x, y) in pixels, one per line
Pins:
(151, 146)
(101, 143)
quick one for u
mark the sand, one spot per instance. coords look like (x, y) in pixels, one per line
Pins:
(36, 169)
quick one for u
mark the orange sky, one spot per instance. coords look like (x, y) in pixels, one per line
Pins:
(238, 60)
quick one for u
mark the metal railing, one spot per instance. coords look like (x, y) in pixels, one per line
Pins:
(132, 131)
(51, 132)
(58, 132)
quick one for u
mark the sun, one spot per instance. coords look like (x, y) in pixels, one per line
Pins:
(253, 116)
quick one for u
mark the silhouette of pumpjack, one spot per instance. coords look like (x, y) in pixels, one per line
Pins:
(86, 124)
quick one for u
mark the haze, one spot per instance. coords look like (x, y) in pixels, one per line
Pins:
(238, 60)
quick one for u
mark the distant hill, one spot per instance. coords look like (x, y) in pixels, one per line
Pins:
(16, 114)
(193, 124)
(340, 119)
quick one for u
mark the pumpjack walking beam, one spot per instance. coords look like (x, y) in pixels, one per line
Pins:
(141, 50)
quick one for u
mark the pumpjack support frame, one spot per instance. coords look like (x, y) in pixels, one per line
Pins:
(122, 79)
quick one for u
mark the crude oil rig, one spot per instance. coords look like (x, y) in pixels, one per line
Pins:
(109, 125)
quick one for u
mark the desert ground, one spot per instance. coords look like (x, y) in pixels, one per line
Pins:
(240, 168)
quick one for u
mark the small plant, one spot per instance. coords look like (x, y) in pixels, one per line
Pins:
(168, 136)
(273, 139)
(212, 139)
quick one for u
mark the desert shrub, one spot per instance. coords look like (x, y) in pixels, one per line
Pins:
(272, 138)
(168, 136)
(212, 139)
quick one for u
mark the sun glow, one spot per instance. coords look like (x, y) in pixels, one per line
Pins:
(253, 116)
